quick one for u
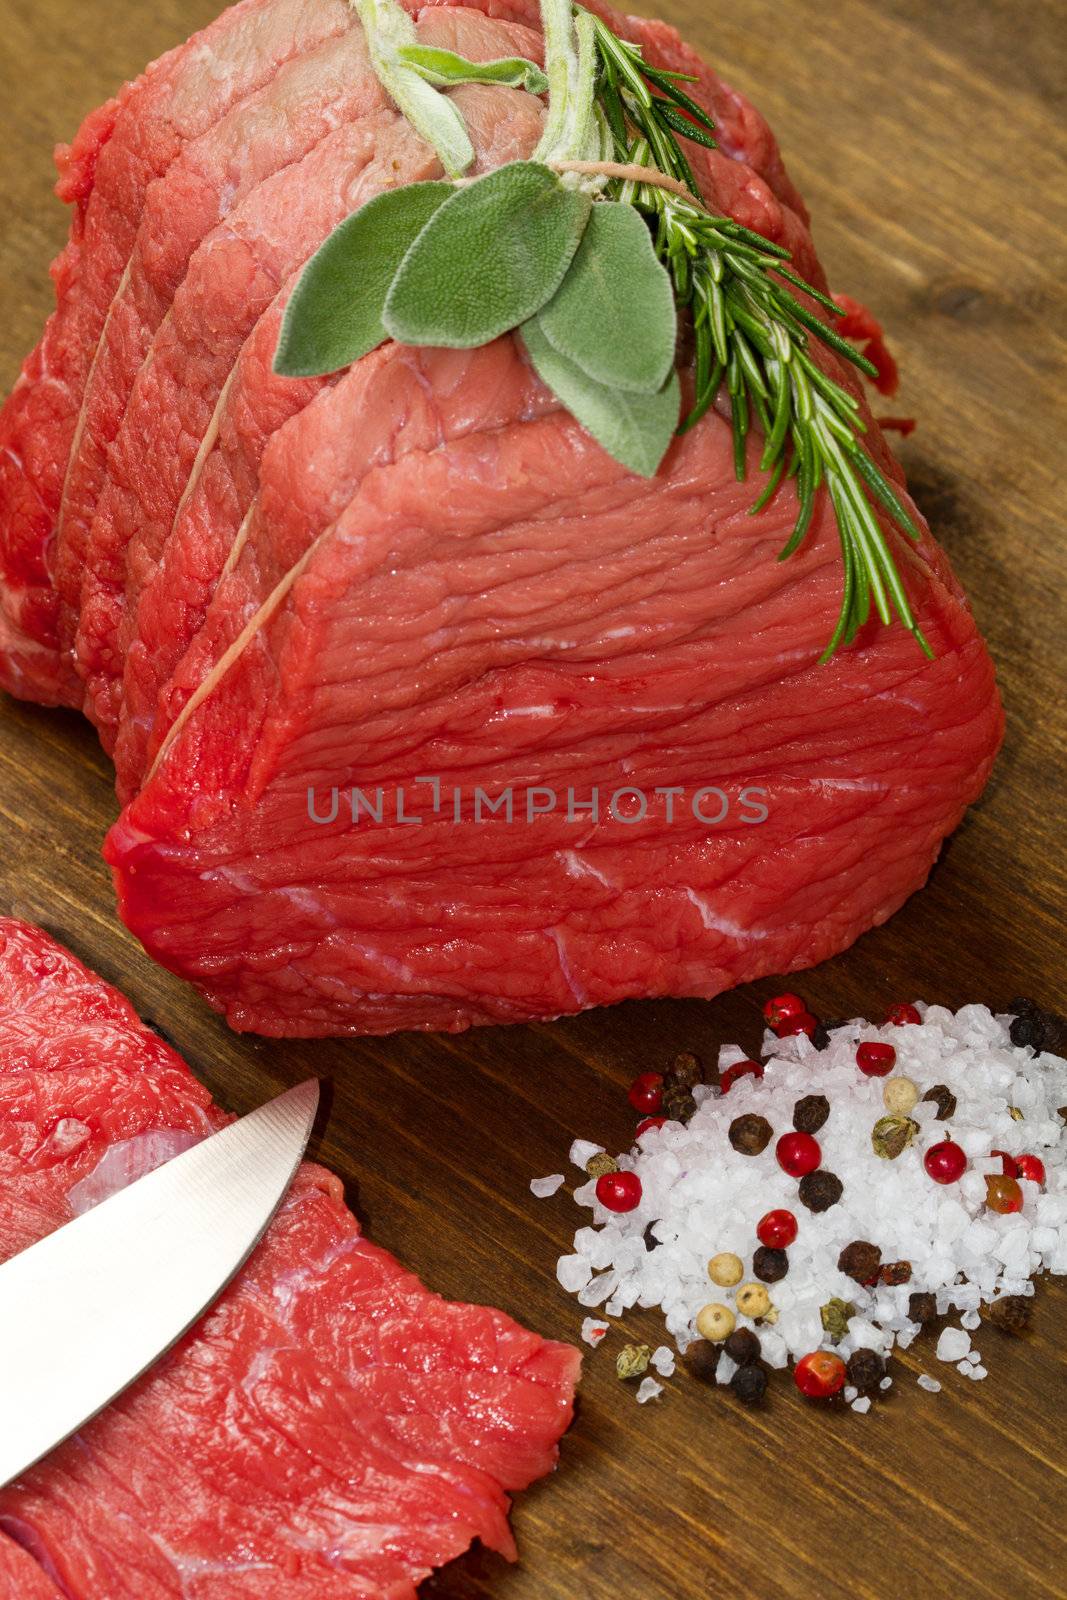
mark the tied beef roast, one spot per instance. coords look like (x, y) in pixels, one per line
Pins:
(330, 1429)
(422, 585)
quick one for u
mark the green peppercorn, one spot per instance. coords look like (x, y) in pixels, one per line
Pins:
(891, 1136)
(834, 1315)
(600, 1165)
(632, 1361)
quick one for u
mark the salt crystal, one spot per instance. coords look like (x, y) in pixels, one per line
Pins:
(930, 1384)
(593, 1331)
(663, 1361)
(886, 1383)
(573, 1273)
(541, 1188)
(862, 1405)
(850, 1393)
(582, 1152)
(953, 1344)
(971, 1320)
(978, 1372)
(648, 1390)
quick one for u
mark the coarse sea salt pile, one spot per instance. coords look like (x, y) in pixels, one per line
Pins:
(700, 1196)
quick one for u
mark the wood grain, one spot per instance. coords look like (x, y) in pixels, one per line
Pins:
(927, 138)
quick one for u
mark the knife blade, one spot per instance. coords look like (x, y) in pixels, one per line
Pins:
(87, 1310)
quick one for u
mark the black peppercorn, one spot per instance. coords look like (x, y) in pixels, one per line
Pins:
(678, 1103)
(650, 1240)
(819, 1190)
(701, 1360)
(742, 1346)
(922, 1307)
(895, 1273)
(770, 1265)
(860, 1260)
(810, 1113)
(820, 1036)
(750, 1135)
(684, 1071)
(865, 1369)
(1012, 1313)
(1027, 1030)
(749, 1383)
(944, 1099)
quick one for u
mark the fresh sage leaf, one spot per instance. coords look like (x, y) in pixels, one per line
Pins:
(636, 429)
(614, 314)
(488, 259)
(334, 314)
(445, 69)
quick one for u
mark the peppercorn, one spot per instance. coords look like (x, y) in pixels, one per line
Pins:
(749, 1383)
(1032, 1168)
(726, 1269)
(944, 1099)
(860, 1260)
(770, 1265)
(819, 1374)
(649, 1238)
(894, 1273)
(922, 1307)
(781, 1008)
(1003, 1195)
(1062, 1114)
(632, 1361)
(753, 1301)
(740, 1069)
(647, 1124)
(797, 1153)
(1034, 1027)
(679, 1103)
(820, 1190)
(619, 1191)
(804, 1023)
(875, 1060)
(1027, 1031)
(1015, 1114)
(1011, 1314)
(742, 1346)
(834, 1315)
(900, 1095)
(945, 1162)
(599, 1164)
(900, 1015)
(891, 1136)
(820, 1036)
(750, 1135)
(701, 1360)
(684, 1071)
(777, 1229)
(810, 1113)
(715, 1322)
(865, 1369)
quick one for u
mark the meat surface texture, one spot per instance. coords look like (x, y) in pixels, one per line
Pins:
(421, 585)
(330, 1429)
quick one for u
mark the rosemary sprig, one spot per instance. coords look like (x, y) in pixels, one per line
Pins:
(752, 331)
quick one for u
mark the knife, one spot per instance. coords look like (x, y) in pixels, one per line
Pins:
(88, 1309)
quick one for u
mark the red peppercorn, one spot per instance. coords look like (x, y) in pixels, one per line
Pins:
(740, 1069)
(1003, 1195)
(1031, 1167)
(945, 1162)
(798, 1154)
(782, 1007)
(619, 1191)
(819, 1374)
(646, 1093)
(777, 1229)
(804, 1023)
(647, 1123)
(898, 1016)
(876, 1060)
(1007, 1163)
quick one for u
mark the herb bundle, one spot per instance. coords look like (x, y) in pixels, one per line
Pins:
(589, 251)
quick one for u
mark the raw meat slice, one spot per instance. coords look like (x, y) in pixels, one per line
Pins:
(207, 182)
(105, 173)
(330, 1429)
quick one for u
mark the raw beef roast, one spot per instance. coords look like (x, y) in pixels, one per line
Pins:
(330, 1429)
(375, 654)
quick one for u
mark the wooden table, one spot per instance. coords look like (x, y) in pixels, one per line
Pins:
(925, 138)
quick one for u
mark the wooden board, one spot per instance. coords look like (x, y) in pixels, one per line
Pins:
(926, 139)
